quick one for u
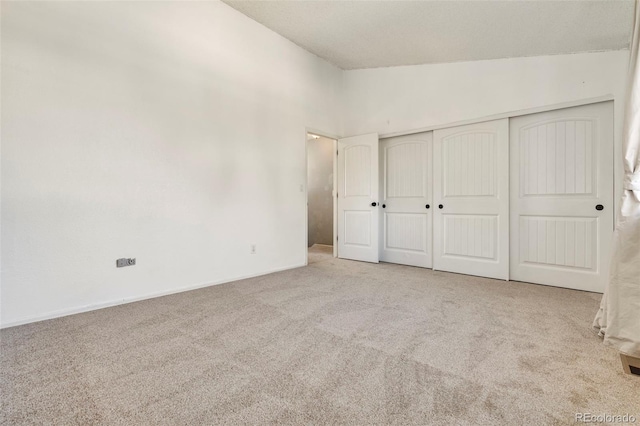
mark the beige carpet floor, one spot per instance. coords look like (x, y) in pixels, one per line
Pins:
(336, 342)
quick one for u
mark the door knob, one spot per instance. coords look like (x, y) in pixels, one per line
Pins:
(374, 204)
(384, 206)
(440, 206)
(599, 207)
(427, 206)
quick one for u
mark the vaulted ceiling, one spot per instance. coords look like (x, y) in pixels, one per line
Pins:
(370, 34)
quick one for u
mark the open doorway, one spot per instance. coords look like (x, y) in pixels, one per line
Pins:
(321, 209)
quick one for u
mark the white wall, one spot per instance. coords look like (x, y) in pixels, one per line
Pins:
(395, 99)
(399, 99)
(173, 132)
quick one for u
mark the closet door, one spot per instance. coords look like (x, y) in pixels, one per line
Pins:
(358, 198)
(471, 197)
(562, 197)
(405, 164)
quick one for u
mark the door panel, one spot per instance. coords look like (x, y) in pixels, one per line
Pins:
(471, 236)
(562, 164)
(357, 228)
(469, 164)
(357, 170)
(357, 190)
(471, 197)
(567, 242)
(405, 164)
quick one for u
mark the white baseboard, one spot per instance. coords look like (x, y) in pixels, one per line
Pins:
(96, 306)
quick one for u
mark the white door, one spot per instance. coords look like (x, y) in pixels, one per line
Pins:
(405, 164)
(562, 164)
(471, 197)
(358, 198)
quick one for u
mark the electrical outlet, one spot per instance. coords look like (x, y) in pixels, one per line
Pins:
(253, 249)
(121, 263)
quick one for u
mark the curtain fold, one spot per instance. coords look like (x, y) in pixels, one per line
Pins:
(618, 319)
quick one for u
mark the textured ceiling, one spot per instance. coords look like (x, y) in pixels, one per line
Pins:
(369, 34)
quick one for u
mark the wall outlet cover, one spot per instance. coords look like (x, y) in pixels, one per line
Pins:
(121, 263)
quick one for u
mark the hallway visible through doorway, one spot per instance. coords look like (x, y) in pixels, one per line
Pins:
(320, 190)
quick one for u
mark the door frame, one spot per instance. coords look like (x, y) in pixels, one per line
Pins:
(333, 191)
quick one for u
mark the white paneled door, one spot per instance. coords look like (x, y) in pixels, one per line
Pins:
(358, 208)
(562, 196)
(471, 199)
(406, 225)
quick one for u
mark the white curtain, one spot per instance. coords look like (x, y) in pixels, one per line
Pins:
(618, 319)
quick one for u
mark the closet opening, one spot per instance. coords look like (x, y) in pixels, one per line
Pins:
(321, 198)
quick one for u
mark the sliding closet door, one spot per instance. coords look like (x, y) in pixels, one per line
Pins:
(562, 197)
(471, 197)
(405, 165)
(358, 198)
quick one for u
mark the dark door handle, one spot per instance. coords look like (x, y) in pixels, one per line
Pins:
(384, 206)
(440, 206)
(599, 207)
(427, 206)
(374, 204)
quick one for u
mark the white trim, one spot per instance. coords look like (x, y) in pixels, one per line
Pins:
(96, 306)
(335, 198)
(502, 115)
(320, 133)
(306, 195)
